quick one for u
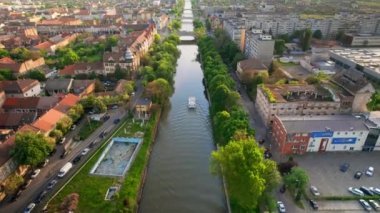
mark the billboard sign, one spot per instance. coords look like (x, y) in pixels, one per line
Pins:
(328, 134)
(343, 140)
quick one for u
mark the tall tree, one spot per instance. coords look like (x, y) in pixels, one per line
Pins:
(4, 53)
(306, 39)
(317, 34)
(297, 180)
(279, 46)
(159, 90)
(31, 148)
(247, 173)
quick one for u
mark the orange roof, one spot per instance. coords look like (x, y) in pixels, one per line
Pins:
(7, 60)
(44, 45)
(48, 121)
(68, 70)
(67, 102)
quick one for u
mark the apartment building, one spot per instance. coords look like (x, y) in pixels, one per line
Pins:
(259, 45)
(235, 28)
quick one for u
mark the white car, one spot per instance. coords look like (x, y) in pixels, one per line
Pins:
(356, 191)
(314, 191)
(35, 173)
(85, 151)
(281, 206)
(375, 205)
(375, 190)
(370, 171)
(73, 127)
(29, 208)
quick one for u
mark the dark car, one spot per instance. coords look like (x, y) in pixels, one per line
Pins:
(116, 121)
(358, 175)
(313, 204)
(53, 152)
(63, 155)
(366, 191)
(344, 167)
(92, 144)
(41, 196)
(51, 184)
(283, 189)
(77, 159)
(16, 196)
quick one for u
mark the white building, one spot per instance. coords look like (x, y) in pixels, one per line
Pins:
(259, 45)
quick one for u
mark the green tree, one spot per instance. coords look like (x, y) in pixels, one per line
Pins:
(374, 103)
(64, 124)
(159, 90)
(21, 54)
(100, 106)
(4, 53)
(120, 73)
(279, 46)
(247, 173)
(6, 74)
(317, 34)
(306, 39)
(37, 75)
(76, 112)
(56, 134)
(31, 148)
(70, 57)
(297, 180)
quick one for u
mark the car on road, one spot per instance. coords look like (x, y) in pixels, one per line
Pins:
(116, 121)
(356, 191)
(44, 163)
(62, 141)
(29, 208)
(133, 93)
(366, 191)
(344, 167)
(35, 173)
(370, 171)
(73, 127)
(313, 204)
(41, 196)
(281, 207)
(16, 196)
(26, 184)
(358, 175)
(92, 144)
(375, 190)
(375, 205)
(314, 191)
(51, 184)
(77, 159)
(283, 189)
(85, 151)
(365, 205)
(52, 152)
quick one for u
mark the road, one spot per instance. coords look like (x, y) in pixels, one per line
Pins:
(50, 171)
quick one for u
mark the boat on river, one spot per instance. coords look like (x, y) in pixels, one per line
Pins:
(192, 102)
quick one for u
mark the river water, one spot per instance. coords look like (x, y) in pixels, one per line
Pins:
(179, 178)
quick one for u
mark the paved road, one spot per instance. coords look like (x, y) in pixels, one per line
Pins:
(49, 173)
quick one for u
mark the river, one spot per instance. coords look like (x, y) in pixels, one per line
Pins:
(179, 178)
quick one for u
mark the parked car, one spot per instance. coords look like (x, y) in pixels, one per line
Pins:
(365, 205)
(26, 184)
(77, 159)
(35, 173)
(375, 205)
(29, 208)
(41, 196)
(62, 141)
(73, 127)
(358, 175)
(115, 107)
(375, 190)
(51, 184)
(366, 191)
(85, 151)
(281, 206)
(116, 121)
(64, 153)
(283, 189)
(370, 171)
(344, 167)
(92, 144)
(356, 191)
(314, 191)
(44, 163)
(313, 204)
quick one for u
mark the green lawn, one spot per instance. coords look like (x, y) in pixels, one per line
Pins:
(92, 189)
(88, 128)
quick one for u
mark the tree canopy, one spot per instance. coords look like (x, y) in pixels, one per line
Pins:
(317, 34)
(246, 171)
(297, 180)
(31, 148)
(159, 90)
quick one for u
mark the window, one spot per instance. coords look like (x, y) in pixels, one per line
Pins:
(351, 148)
(345, 147)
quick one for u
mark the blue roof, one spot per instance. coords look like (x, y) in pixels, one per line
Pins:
(130, 140)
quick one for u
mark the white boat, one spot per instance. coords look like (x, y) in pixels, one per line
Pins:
(192, 103)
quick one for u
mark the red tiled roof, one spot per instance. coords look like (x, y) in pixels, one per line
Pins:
(48, 121)
(29, 128)
(7, 60)
(67, 102)
(21, 103)
(44, 45)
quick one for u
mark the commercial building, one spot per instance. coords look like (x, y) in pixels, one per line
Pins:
(259, 45)
(366, 60)
(272, 100)
(300, 134)
(361, 40)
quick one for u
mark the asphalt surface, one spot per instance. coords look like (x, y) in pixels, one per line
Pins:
(50, 171)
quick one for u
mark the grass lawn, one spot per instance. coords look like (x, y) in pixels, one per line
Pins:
(88, 128)
(92, 189)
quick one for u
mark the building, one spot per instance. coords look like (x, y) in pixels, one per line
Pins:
(113, 59)
(272, 100)
(58, 86)
(82, 68)
(21, 88)
(361, 40)
(235, 28)
(83, 87)
(249, 68)
(300, 134)
(143, 107)
(259, 45)
(373, 140)
(365, 60)
(19, 69)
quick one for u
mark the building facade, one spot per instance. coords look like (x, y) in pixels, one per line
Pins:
(259, 45)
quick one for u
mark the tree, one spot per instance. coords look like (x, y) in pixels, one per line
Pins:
(37, 75)
(64, 124)
(99, 87)
(297, 180)
(56, 134)
(4, 53)
(31, 148)
(159, 90)
(120, 73)
(306, 39)
(99, 106)
(70, 203)
(21, 54)
(76, 112)
(247, 173)
(285, 167)
(6, 74)
(317, 34)
(279, 46)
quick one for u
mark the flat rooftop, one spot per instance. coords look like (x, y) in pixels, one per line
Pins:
(368, 57)
(299, 124)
